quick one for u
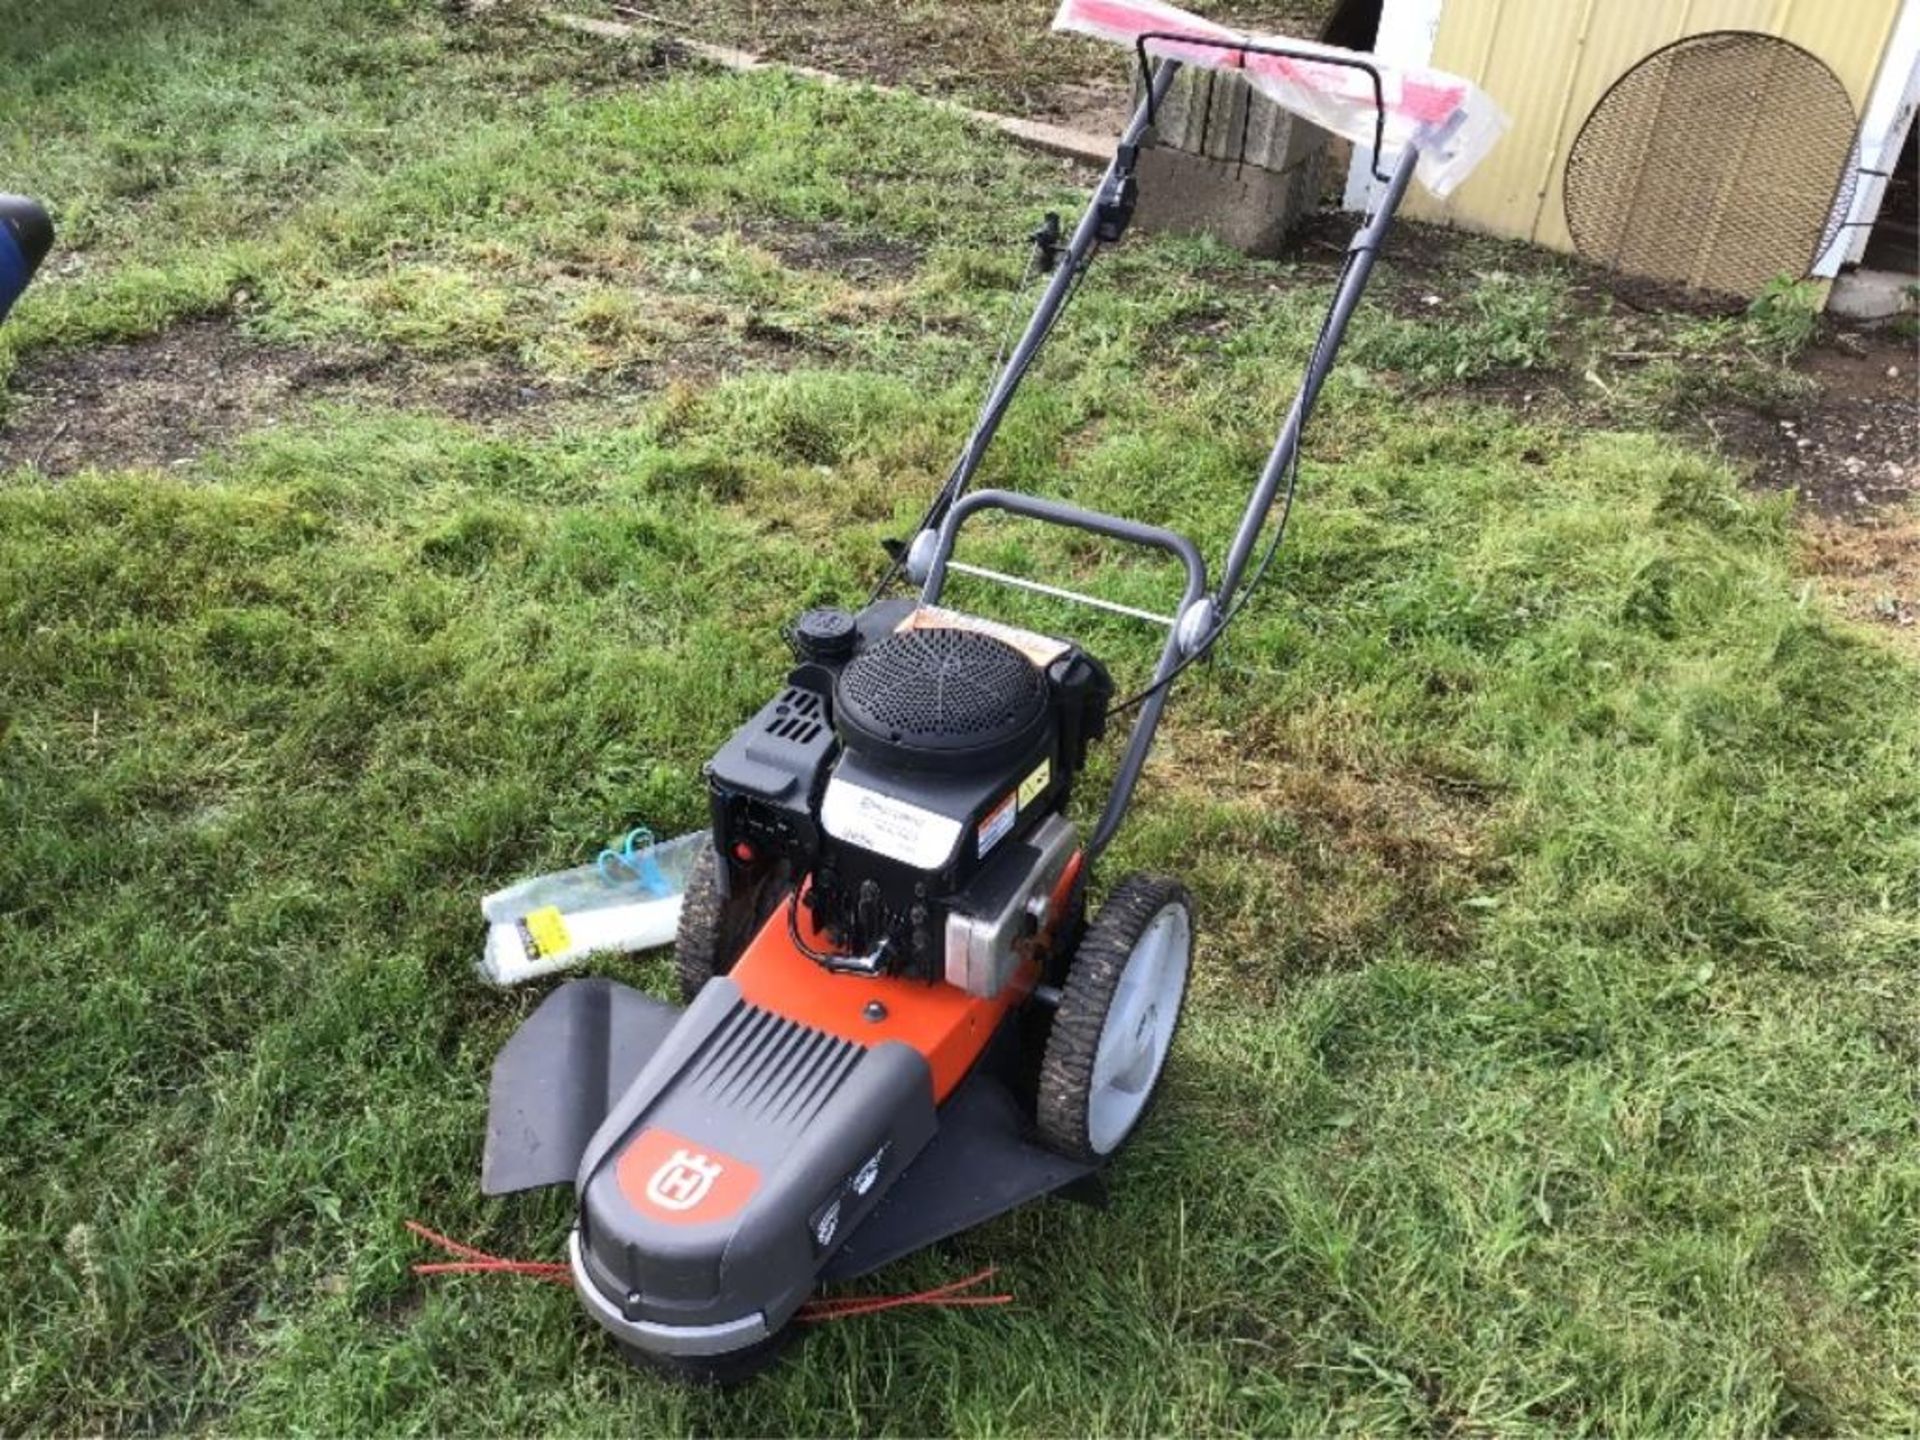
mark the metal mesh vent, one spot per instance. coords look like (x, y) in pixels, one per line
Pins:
(943, 690)
(1714, 164)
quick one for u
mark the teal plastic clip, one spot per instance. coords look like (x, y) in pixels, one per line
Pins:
(633, 861)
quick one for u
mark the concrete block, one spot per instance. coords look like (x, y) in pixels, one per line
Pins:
(1229, 163)
(1245, 206)
(1216, 113)
(1871, 294)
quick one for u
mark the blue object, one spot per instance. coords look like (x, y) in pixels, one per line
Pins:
(634, 861)
(26, 234)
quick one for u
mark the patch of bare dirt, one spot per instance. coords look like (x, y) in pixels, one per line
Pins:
(1853, 446)
(1871, 567)
(1093, 109)
(1848, 446)
(1000, 54)
(1375, 849)
(165, 399)
(858, 255)
(593, 66)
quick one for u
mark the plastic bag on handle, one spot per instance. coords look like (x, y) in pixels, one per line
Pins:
(1452, 121)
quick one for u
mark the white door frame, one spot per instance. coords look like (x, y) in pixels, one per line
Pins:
(1406, 36)
(1883, 131)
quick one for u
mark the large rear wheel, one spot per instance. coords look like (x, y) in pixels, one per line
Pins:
(715, 929)
(1116, 1019)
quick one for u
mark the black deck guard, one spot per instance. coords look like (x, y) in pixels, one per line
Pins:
(556, 1079)
(580, 1058)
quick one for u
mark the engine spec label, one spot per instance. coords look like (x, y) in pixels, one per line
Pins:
(887, 826)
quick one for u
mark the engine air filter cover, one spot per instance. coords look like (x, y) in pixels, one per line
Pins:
(943, 699)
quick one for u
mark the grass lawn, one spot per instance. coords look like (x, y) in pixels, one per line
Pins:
(1551, 1064)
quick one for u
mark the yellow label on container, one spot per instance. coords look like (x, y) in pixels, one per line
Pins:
(546, 933)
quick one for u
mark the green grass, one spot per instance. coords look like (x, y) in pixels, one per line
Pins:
(1551, 1062)
(1785, 316)
(1511, 323)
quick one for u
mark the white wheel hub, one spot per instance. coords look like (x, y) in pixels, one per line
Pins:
(1139, 1028)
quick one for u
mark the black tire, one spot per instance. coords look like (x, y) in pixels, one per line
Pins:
(736, 1367)
(1064, 1107)
(715, 929)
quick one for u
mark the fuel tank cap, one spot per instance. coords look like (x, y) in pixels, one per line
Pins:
(825, 635)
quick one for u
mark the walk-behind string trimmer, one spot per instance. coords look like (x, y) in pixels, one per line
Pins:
(898, 1024)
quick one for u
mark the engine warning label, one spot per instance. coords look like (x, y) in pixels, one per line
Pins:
(999, 821)
(888, 826)
(1034, 784)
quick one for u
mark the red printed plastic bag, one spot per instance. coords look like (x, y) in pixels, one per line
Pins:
(1450, 120)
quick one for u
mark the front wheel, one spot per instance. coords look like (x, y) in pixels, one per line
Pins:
(715, 929)
(1116, 1018)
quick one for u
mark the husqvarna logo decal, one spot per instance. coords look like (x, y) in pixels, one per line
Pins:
(681, 1181)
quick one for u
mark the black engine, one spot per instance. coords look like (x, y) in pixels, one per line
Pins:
(905, 777)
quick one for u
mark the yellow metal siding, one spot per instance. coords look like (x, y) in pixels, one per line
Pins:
(1548, 62)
